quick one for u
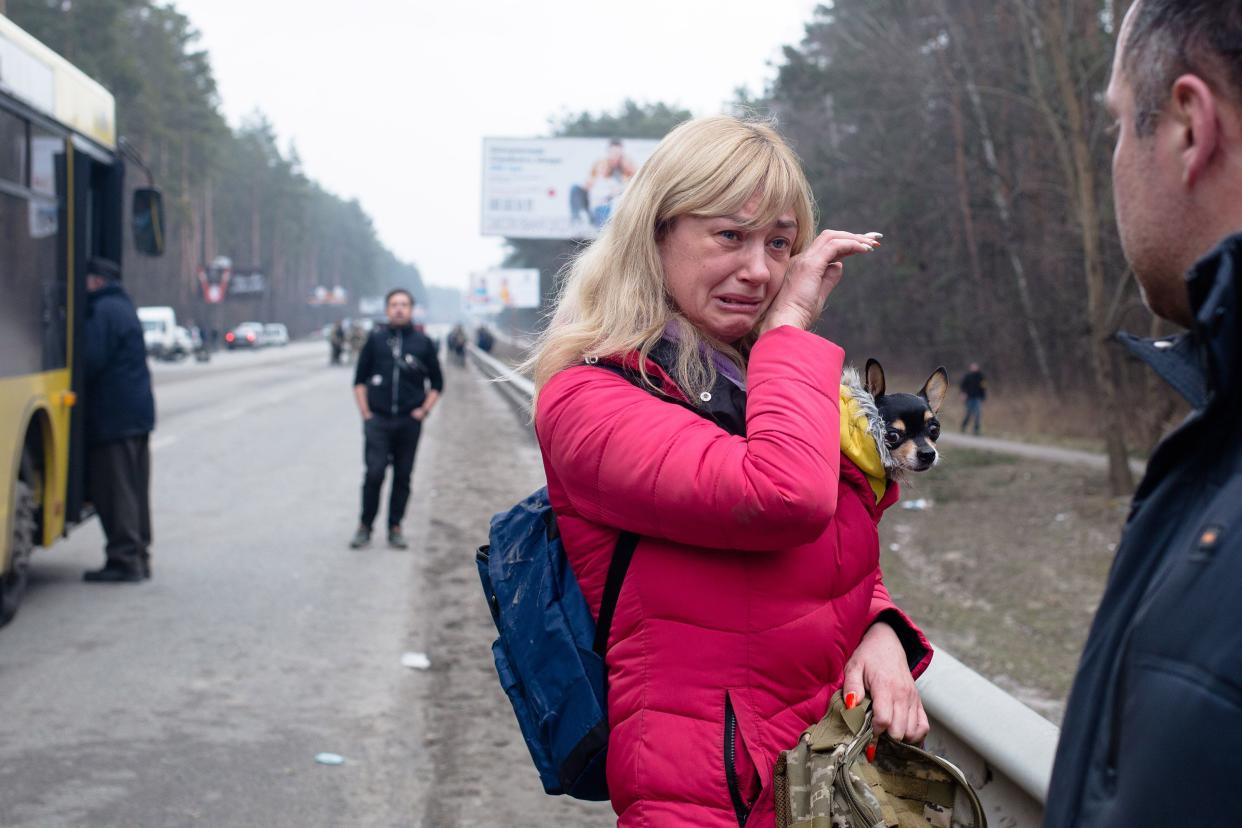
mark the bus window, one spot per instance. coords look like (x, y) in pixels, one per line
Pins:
(47, 149)
(47, 155)
(12, 149)
(33, 321)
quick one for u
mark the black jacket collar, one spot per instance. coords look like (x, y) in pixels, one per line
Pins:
(1204, 362)
(726, 403)
(111, 289)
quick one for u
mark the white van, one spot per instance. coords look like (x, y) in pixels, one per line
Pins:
(159, 330)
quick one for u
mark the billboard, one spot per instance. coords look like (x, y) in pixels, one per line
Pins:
(371, 306)
(220, 280)
(555, 188)
(501, 288)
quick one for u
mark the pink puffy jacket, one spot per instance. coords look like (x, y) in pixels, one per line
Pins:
(756, 576)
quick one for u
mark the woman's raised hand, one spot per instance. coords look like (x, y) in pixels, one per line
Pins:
(812, 275)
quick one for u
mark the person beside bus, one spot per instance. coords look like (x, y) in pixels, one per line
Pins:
(755, 591)
(395, 366)
(120, 414)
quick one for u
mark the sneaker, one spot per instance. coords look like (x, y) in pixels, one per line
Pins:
(115, 573)
(397, 540)
(360, 539)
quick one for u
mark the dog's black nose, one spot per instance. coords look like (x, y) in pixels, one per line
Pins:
(926, 455)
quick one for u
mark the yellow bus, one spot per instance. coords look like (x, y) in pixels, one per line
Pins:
(62, 187)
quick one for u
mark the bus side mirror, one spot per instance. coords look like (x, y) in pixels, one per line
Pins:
(148, 218)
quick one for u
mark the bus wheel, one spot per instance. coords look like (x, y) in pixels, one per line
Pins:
(13, 580)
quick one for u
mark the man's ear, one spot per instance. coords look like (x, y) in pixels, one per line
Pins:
(1194, 108)
(875, 378)
(935, 389)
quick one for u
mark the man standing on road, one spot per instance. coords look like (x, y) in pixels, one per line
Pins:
(395, 366)
(974, 392)
(120, 414)
(1154, 721)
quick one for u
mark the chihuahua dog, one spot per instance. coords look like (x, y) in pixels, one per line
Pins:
(909, 421)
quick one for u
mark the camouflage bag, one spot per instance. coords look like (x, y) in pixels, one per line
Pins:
(826, 781)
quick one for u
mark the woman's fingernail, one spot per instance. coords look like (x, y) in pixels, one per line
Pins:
(871, 752)
(851, 699)
(876, 236)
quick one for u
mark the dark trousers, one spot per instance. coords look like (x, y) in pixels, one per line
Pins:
(974, 411)
(389, 441)
(119, 477)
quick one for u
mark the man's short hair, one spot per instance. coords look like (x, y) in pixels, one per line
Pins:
(388, 296)
(103, 268)
(1169, 38)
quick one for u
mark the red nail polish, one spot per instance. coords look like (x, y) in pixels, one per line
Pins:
(851, 700)
(871, 752)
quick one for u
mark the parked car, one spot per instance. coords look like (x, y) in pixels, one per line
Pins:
(245, 335)
(159, 331)
(183, 343)
(274, 333)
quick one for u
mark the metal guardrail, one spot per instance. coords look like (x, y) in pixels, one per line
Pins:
(1004, 747)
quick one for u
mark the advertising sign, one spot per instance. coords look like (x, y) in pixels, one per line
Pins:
(371, 306)
(247, 283)
(505, 288)
(214, 279)
(555, 188)
(322, 295)
(220, 280)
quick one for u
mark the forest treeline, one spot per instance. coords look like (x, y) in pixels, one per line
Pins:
(228, 192)
(972, 134)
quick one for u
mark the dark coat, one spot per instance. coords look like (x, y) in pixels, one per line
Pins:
(119, 403)
(1152, 732)
(395, 388)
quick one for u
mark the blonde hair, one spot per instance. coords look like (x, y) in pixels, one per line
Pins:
(612, 299)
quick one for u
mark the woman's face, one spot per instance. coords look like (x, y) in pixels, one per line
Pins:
(723, 276)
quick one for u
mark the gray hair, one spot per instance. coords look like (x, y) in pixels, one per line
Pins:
(1169, 38)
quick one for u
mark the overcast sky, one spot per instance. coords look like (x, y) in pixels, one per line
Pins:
(388, 100)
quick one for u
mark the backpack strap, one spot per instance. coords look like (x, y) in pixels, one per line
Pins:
(627, 542)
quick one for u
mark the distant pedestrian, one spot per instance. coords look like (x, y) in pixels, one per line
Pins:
(357, 339)
(484, 339)
(336, 341)
(120, 414)
(395, 367)
(974, 391)
(1153, 723)
(457, 344)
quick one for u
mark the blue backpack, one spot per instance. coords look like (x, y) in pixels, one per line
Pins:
(550, 653)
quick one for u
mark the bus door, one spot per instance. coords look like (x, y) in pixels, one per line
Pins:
(98, 183)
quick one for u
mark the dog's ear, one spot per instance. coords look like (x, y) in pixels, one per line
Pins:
(875, 378)
(935, 389)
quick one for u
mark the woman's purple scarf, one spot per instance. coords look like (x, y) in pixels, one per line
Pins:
(724, 366)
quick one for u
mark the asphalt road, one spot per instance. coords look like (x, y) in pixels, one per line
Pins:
(203, 696)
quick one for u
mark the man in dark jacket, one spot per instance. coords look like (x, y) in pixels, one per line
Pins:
(395, 366)
(120, 413)
(1152, 731)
